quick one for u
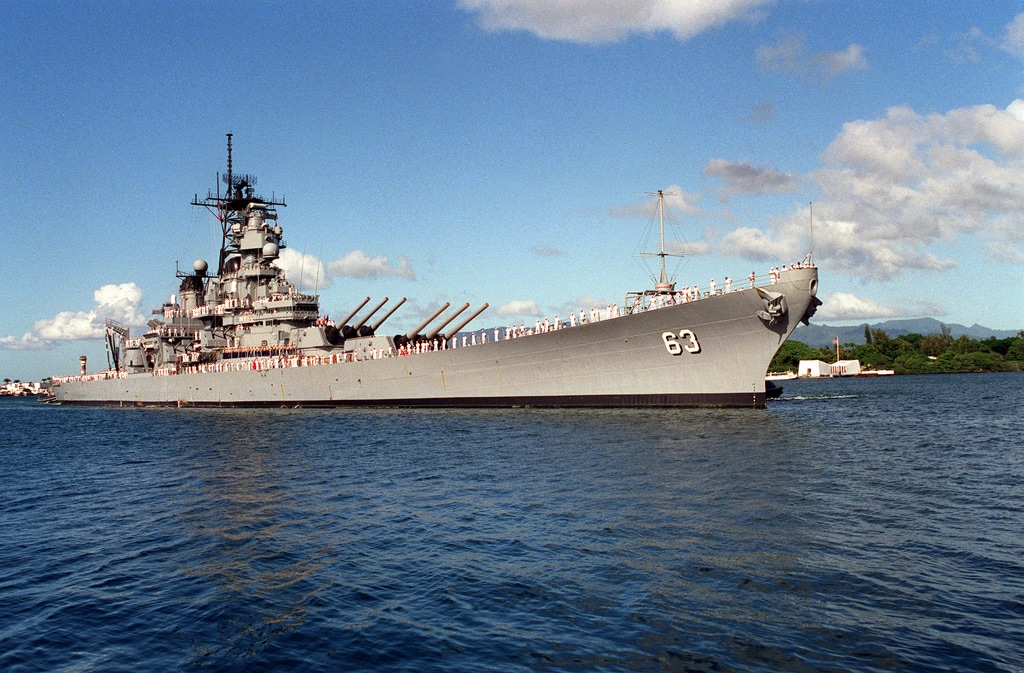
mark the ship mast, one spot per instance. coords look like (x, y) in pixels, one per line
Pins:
(810, 252)
(663, 280)
(222, 215)
(663, 283)
(229, 209)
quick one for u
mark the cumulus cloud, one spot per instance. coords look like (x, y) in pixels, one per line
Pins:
(760, 246)
(308, 272)
(115, 302)
(897, 185)
(742, 177)
(602, 21)
(790, 56)
(357, 264)
(845, 306)
(519, 307)
(305, 272)
(895, 188)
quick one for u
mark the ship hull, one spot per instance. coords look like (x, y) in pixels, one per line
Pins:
(712, 352)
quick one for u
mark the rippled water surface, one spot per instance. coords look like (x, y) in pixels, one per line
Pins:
(869, 525)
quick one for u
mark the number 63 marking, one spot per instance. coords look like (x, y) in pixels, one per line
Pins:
(673, 345)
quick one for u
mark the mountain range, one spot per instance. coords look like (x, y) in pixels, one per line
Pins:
(820, 336)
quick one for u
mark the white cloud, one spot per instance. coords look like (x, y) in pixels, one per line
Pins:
(305, 272)
(845, 306)
(602, 21)
(116, 302)
(27, 342)
(308, 272)
(757, 245)
(69, 325)
(678, 200)
(790, 56)
(519, 307)
(1013, 36)
(833, 63)
(119, 302)
(970, 46)
(357, 264)
(896, 187)
(905, 182)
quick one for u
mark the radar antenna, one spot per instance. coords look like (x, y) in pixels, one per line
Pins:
(243, 180)
(228, 178)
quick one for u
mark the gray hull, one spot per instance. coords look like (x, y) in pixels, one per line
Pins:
(712, 352)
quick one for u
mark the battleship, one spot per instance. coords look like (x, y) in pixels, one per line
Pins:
(244, 336)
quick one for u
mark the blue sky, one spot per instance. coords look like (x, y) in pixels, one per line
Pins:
(501, 151)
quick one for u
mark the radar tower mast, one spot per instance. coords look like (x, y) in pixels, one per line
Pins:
(230, 209)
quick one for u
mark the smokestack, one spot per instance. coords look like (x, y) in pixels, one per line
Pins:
(81, 360)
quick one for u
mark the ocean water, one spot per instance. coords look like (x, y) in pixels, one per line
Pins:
(854, 525)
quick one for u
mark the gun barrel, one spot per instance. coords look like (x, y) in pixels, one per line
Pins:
(354, 311)
(455, 330)
(370, 314)
(436, 330)
(387, 315)
(412, 333)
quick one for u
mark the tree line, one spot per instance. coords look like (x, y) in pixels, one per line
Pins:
(914, 353)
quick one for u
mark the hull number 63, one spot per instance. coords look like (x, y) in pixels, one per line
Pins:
(686, 341)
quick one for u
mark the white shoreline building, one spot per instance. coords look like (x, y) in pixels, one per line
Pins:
(816, 369)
